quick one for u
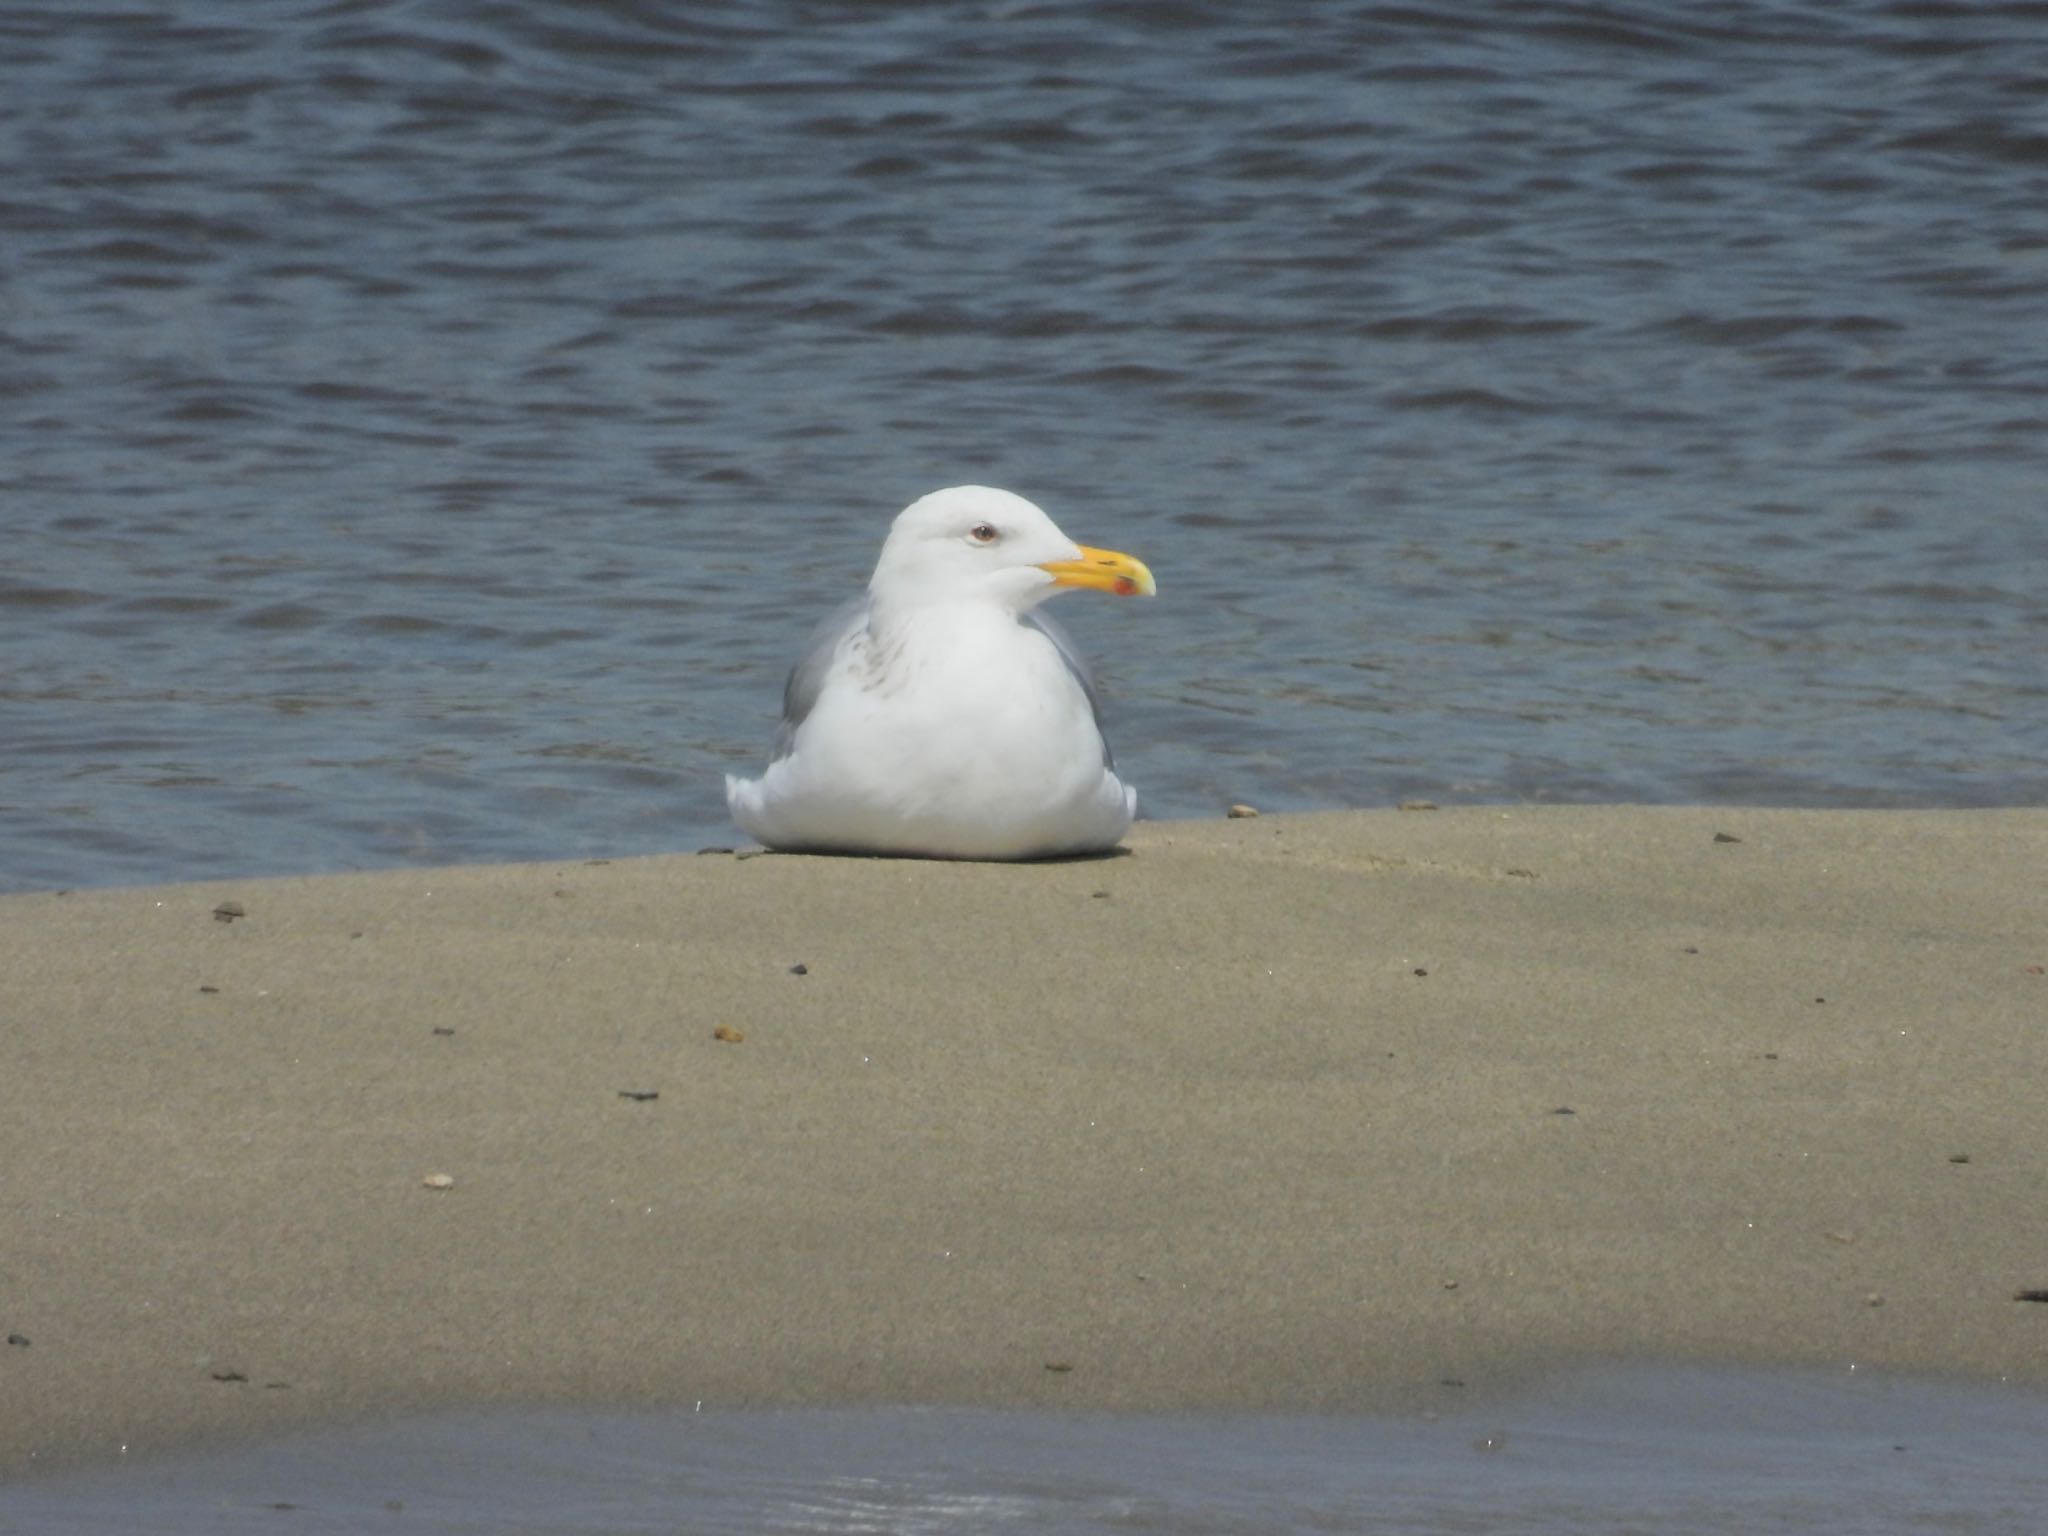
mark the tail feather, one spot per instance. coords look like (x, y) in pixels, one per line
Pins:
(743, 803)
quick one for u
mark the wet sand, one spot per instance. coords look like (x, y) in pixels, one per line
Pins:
(1379, 1110)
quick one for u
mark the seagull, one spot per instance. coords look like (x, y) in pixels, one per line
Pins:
(941, 717)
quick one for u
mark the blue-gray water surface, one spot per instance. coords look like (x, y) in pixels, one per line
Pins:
(1677, 1452)
(429, 430)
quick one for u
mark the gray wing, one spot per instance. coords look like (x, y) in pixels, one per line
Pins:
(807, 677)
(1064, 644)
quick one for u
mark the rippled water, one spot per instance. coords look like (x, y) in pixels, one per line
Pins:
(1679, 1453)
(429, 430)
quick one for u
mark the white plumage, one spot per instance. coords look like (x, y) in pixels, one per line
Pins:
(940, 717)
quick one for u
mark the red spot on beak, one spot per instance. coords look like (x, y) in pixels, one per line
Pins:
(1125, 586)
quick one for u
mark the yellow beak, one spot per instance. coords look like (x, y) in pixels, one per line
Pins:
(1105, 570)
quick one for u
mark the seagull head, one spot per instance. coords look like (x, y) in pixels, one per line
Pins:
(976, 542)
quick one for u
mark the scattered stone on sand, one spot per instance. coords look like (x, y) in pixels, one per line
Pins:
(1726, 837)
(1238, 812)
(1418, 805)
(728, 1034)
(439, 1181)
(228, 911)
(640, 1095)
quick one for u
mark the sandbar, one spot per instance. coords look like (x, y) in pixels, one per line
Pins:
(1377, 1110)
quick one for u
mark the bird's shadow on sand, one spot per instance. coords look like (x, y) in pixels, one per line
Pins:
(1101, 856)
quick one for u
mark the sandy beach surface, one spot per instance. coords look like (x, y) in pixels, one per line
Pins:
(1379, 1110)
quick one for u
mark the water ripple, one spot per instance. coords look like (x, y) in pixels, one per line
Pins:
(432, 430)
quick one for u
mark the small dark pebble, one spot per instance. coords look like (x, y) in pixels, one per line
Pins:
(1820, 999)
(702, 851)
(1421, 971)
(1417, 805)
(1098, 895)
(228, 911)
(229, 1376)
(1959, 1157)
(1770, 1055)
(209, 989)
(1061, 1366)
(1726, 837)
(18, 1340)
(277, 1386)
(1564, 1109)
(639, 1096)
(799, 969)
(443, 1029)
(1691, 949)
(1449, 1381)
(2030, 1295)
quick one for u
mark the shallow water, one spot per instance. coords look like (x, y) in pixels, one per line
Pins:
(430, 430)
(1636, 1450)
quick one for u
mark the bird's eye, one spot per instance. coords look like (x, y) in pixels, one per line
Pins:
(983, 533)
